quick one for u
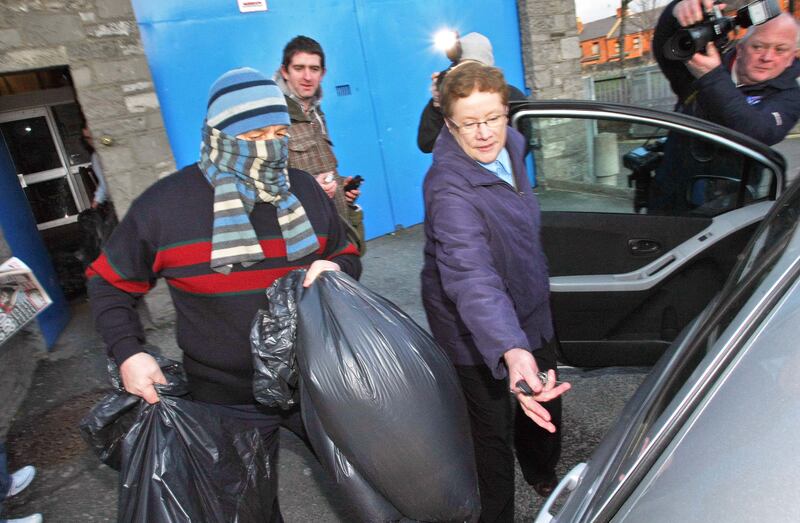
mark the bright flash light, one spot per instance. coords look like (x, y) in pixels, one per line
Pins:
(445, 39)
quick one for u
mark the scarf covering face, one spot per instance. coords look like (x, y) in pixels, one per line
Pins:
(242, 174)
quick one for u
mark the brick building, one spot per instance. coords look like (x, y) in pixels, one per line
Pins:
(599, 39)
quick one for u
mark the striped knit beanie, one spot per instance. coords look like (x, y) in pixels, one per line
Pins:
(242, 100)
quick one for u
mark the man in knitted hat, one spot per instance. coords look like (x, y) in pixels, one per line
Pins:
(219, 232)
(472, 47)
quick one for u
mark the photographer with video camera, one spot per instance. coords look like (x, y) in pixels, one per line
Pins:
(751, 88)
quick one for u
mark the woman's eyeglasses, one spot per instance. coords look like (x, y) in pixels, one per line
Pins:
(493, 122)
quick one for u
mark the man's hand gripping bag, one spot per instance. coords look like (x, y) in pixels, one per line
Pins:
(178, 462)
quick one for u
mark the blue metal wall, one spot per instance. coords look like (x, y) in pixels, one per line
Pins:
(380, 49)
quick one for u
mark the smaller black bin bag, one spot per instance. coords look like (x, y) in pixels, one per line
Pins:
(177, 461)
(389, 403)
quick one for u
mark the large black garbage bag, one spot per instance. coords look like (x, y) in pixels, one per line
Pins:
(177, 461)
(389, 403)
(369, 503)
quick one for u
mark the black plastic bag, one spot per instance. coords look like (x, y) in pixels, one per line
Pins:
(177, 461)
(381, 401)
(90, 223)
(96, 226)
(109, 421)
(272, 339)
(368, 502)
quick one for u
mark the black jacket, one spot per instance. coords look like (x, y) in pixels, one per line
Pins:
(766, 111)
(432, 120)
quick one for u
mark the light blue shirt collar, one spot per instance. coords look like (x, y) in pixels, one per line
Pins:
(501, 167)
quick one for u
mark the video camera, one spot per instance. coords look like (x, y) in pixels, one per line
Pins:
(715, 28)
(642, 161)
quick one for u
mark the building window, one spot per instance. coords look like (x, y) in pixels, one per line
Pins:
(637, 43)
(595, 48)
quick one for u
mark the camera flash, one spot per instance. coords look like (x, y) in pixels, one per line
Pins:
(445, 39)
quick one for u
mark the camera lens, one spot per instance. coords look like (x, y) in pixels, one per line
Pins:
(680, 47)
(688, 41)
(685, 45)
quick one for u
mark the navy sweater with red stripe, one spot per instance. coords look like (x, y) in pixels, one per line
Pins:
(167, 234)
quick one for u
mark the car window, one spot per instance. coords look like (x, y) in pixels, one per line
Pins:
(628, 166)
(765, 248)
(693, 365)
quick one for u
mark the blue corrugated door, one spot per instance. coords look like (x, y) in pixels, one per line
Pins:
(379, 59)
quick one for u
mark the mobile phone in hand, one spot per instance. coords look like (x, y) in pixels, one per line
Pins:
(354, 183)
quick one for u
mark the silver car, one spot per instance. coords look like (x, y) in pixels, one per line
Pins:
(714, 302)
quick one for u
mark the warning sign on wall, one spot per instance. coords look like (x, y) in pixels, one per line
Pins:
(250, 6)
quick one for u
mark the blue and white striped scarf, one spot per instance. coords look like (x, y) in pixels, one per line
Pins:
(243, 173)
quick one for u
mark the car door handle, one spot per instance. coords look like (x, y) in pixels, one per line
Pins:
(643, 246)
(568, 482)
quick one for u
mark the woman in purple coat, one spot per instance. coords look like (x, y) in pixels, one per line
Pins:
(485, 287)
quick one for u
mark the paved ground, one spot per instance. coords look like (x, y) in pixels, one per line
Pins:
(73, 486)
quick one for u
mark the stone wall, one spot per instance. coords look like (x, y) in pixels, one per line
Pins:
(18, 357)
(5, 250)
(99, 41)
(551, 49)
(551, 55)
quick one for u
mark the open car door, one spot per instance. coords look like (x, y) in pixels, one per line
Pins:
(643, 216)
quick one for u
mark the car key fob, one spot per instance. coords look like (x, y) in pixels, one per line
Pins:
(524, 387)
(527, 390)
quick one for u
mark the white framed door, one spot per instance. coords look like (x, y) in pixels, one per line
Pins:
(47, 157)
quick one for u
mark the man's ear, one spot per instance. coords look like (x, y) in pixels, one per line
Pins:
(284, 73)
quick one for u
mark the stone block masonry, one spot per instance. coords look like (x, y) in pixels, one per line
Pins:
(550, 48)
(99, 41)
(551, 57)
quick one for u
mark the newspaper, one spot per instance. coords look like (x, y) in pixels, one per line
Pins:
(22, 297)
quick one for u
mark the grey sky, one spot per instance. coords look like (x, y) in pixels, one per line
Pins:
(590, 10)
